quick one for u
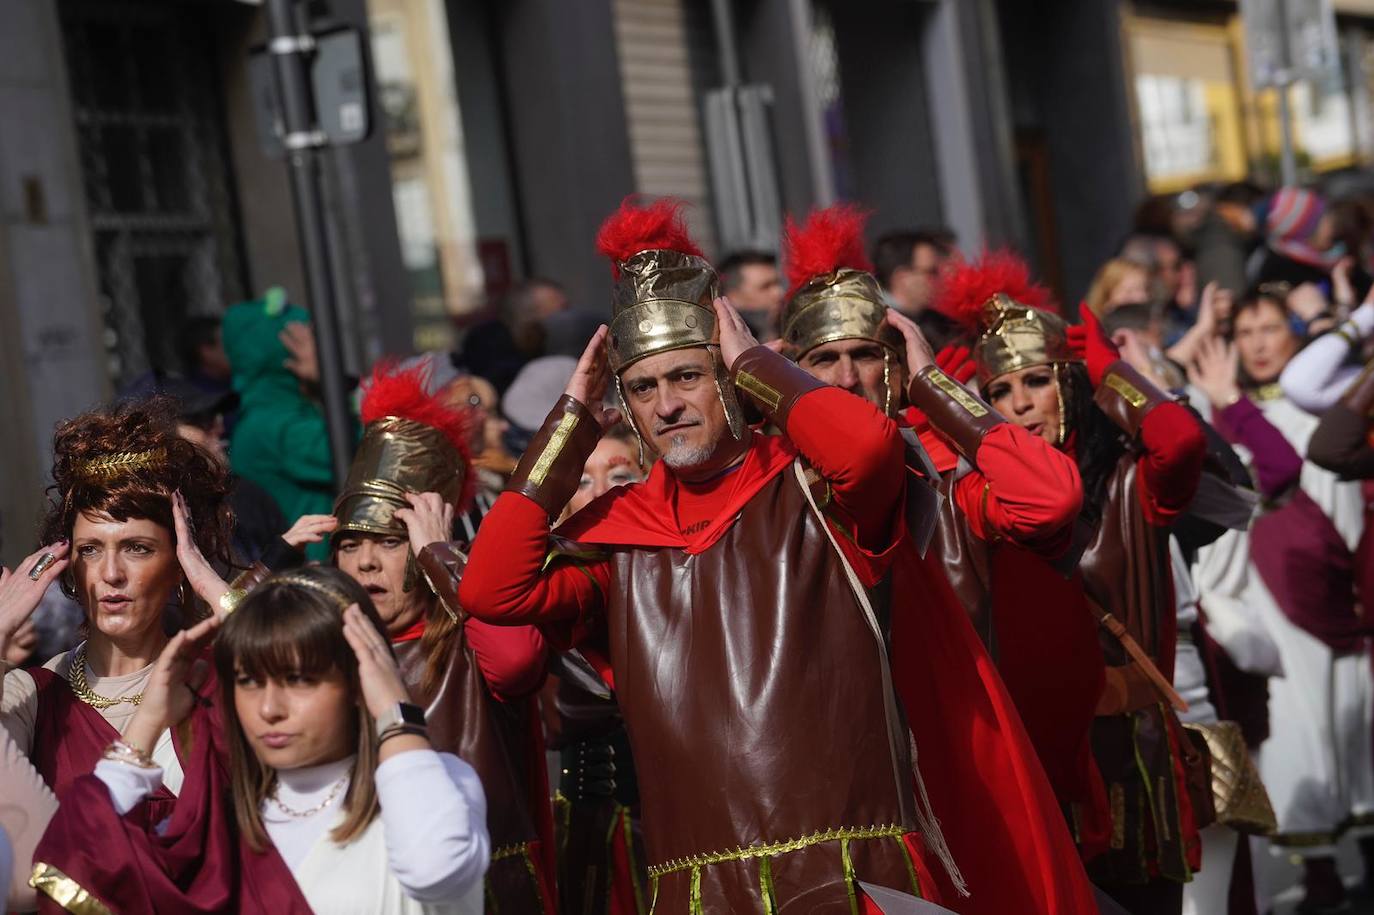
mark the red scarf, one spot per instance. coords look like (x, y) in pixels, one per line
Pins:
(645, 514)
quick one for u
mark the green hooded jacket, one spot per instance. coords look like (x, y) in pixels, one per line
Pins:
(279, 441)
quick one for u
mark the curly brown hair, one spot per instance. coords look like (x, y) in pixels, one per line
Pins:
(125, 461)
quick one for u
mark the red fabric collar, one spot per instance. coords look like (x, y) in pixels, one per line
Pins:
(414, 632)
(644, 514)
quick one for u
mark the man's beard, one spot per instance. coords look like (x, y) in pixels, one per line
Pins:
(681, 456)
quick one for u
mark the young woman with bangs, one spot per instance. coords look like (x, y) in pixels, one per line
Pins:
(339, 802)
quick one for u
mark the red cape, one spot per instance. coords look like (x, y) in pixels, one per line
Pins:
(999, 815)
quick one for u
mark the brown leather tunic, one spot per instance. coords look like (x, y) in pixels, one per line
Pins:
(1126, 571)
(758, 714)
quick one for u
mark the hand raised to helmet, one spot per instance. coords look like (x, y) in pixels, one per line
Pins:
(592, 378)
(428, 520)
(1091, 344)
(918, 352)
(735, 335)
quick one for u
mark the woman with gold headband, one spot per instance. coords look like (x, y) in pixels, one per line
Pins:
(121, 541)
(1139, 456)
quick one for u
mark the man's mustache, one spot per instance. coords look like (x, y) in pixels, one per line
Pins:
(660, 427)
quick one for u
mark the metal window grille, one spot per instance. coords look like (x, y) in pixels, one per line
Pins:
(146, 99)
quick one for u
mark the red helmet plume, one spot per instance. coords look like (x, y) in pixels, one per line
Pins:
(963, 286)
(396, 391)
(830, 239)
(636, 227)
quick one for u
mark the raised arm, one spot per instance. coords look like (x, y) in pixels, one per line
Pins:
(1276, 464)
(1341, 441)
(1317, 376)
(1025, 489)
(1170, 438)
(513, 659)
(508, 579)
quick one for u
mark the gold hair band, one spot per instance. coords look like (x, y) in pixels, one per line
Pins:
(121, 462)
(302, 581)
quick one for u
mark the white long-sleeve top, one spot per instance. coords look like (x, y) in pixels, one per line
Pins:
(431, 835)
(1316, 378)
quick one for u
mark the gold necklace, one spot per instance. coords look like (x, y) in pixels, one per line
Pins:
(302, 814)
(77, 678)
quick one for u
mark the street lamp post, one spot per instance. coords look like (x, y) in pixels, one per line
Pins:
(290, 47)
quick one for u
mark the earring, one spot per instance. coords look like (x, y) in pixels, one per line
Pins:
(66, 582)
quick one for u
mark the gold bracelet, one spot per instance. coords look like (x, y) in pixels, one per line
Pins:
(229, 601)
(119, 751)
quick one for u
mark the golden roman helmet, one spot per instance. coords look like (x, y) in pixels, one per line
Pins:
(662, 295)
(661, 300)
(412, 443)
(995, 299)
(1016, 336)
(834, 293)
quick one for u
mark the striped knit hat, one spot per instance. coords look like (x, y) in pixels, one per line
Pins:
(1293, 218)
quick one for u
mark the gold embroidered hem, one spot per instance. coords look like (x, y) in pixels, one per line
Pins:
(844, 835)
(523, 851)
(773, 849)
(65, 891)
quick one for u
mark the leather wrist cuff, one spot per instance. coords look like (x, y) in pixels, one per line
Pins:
(1360, 396)
(773, 381)
(956, 412)
(1127, 396)
(442, 565)
(552, 465)
(250, 577)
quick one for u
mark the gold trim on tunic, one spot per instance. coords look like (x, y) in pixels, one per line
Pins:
(65, 891)
(772, 849)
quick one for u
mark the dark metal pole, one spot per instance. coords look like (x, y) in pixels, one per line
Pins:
(291, 46)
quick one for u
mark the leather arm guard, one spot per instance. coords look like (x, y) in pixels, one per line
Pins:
(956, 412)
(552, 465)
(1127, 397)
(442, 565)
(773, 381)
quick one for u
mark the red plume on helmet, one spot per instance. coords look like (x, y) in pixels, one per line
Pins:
(396, 391)
(964, 287)
(636, 227)
(830, 239)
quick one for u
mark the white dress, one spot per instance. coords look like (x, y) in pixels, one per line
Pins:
(1317, 763)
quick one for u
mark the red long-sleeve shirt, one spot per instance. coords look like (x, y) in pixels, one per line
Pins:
(1024, 490)
(1175, 449)
(851, 444)
(513, 659)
